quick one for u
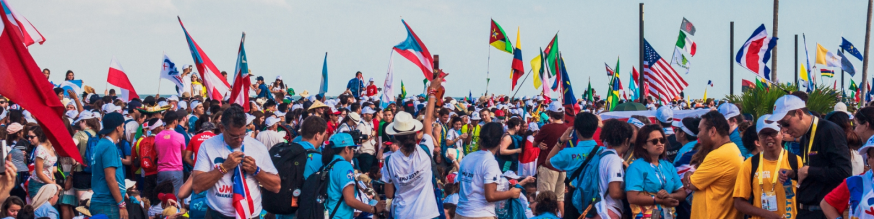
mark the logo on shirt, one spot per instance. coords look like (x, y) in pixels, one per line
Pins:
(218, 160)
(350, 175)
(577, 156)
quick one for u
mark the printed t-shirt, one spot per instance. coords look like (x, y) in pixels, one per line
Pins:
(169, 145)
(341, 175)
(645, 177)
(198, 139)
(477, 169)
(411, 177)
(743, 183)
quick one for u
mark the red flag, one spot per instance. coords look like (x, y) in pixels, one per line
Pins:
(118, 78)
(240, 90)
(32, 91)
(835, 86)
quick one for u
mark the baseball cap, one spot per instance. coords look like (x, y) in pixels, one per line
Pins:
(367, 110)
(133, 105)
(785, 104)
(728, 110)
(665, 114)
(271, 121)
(556, 107)
(763, 123)
(341, 140)
(279, 77)
(842, 107)
(110, 122)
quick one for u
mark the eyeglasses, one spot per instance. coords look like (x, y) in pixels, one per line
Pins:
(31, 136)
(657, 141)
(783, 124)
(2, 102)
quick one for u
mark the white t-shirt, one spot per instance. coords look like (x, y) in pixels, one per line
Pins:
(477, 169)
(452, 134)
(214, 151)
(367, 147)
(610, 166)
(451, 199)
(414, 190)
(428, 141)
(270, 138)
(857, 163)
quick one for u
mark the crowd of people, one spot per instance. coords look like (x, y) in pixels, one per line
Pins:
(429, 156)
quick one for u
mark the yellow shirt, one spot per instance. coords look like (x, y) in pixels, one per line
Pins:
(742, 185)
(715, 179)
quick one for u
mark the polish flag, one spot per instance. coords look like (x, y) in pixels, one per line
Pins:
(118, 78)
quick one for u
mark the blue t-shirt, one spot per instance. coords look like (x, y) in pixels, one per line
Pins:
(191, 123)
(46, 210)
(314, 160)
(198, 205)
(105, 156)
(355, 86)
(686, 148)
(181, 130)
(642, 176)
(341, 175)
(546, 215)
(265, 92)
(735, 138)
(569, 159)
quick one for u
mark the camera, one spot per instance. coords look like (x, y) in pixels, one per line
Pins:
(357, 136)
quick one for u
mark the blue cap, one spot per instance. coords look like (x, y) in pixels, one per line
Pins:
(342, 140)
(110, 122)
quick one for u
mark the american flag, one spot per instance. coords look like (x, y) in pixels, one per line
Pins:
(663, 81)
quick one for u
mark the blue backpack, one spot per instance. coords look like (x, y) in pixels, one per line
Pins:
(89, 152)
(587, 188)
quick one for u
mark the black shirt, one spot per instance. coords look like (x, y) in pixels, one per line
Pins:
(829, 161)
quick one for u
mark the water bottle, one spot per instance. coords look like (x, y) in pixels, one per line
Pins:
(788, 188)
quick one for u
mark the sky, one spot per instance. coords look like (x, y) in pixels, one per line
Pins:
(290, 38)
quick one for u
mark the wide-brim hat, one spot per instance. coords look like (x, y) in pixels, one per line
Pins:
(403, 124)
(316, 104)
(153, 109)
(84, 210)
(305, 93)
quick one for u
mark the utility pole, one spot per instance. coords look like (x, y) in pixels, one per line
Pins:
(867, 45)
(774, 51)
(796, 62)
(640, 78)
(731, 58)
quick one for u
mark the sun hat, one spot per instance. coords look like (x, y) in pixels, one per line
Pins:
(305, 93)
(317, 104)
(842, 107)
(785, 104)
(110, 122)
(665, 114)
(728, 110)
(763, 123)
(341, 140)
(404, 124)
(270, 121)
(354, 116)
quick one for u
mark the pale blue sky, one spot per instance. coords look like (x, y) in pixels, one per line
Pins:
(290, 38)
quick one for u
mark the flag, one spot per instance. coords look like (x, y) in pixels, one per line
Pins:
(680, 59)
(171, 73)
(746, 85)
(242, 81)
(545, 77)
(632, 86)
(854, 89)
(414, 50)
(616, 82)
(710, 82)
(589, 93)
(806, 55)
(805, 76)
(756, 52)
(387, 87)
(31, 90)
(686, 44)
(72, 85)
(664, 82)
(323, 87)
(849, 48)
(846, 65)
(551, 52)
(470, 95)
(826, 72)
(244, 205)
(535, 66)
(610, 71)
(25, 30)
(567, 92)
(118, 78)
(403, 90)
(216, 84)
(705, 94)
(518, 68)
(761, 82)
(498, 38)
(824, 57)
(687, 26)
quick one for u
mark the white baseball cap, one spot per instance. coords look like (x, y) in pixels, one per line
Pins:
(841, 107)
(728, 110)
(475, 116)
(556, 107)
(785, 104)
(271, 121)
(249, 118)
(763, 123)
(367, 110)
(173, 98)
(279, 77)
(665, 114)
(864, 150)
(371, 79)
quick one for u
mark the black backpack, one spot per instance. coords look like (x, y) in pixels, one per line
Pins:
(754, 161)
(314, 194)
(290, 160)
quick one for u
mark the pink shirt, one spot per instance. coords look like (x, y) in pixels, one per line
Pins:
(169, 145)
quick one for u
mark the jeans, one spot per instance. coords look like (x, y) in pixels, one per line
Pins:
(173, 176)
(110, 210)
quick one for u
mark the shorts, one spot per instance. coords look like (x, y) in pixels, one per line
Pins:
(551, 180)
(69, 198)
(173, 176)
(82, 180)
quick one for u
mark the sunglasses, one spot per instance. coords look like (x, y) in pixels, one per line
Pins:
(2, 102)
(657, 141)
(31, 136)
(783, 123)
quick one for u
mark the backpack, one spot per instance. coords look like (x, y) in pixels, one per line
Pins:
(148, 156)
(438, 193)
(290, 160)
(314, 194)
(587, 190)
(754, 160)
(89, 152)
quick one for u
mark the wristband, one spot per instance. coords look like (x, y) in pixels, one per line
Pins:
(221, 169)
(122, 205)
(257, 170)
(653, 200)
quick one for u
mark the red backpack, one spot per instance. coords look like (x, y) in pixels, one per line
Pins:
(148, 155)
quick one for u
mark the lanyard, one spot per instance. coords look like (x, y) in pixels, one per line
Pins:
(773, 174)
(663, 179)
(810, 144)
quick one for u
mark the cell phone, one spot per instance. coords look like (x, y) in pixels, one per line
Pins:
(3, 153)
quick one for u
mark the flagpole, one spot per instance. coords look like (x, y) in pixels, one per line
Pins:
(488, 65)
(523, 82)
(867, 41)
(641, 98)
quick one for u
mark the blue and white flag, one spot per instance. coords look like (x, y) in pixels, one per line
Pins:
(73, 85)
(849, 48)
(170, 72)
(846, 65)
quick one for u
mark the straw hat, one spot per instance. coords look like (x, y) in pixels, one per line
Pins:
(403, 124)
(305, 93)
(316, 104)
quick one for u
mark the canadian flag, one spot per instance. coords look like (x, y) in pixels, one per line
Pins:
(118, 78)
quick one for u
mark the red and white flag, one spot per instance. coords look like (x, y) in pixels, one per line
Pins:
(118, 78)
(31, 90)
(29, 34)
(242, 83)
(216, 84)
(663, 81)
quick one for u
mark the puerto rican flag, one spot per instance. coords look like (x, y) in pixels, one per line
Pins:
(216, 85)
(414, 50)
(243, 203)
(756, 52)
(240, 91)
(118, 78)
(29, 34)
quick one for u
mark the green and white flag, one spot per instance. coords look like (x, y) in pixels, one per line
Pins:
(680, 59)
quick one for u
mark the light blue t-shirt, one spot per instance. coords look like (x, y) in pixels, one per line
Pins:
(314, 160)
(735, 138)
(569, 159)
(546, 215)
(686, 148)
(46, 210)
(341, 175)
(105, 156)
(645, 177)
